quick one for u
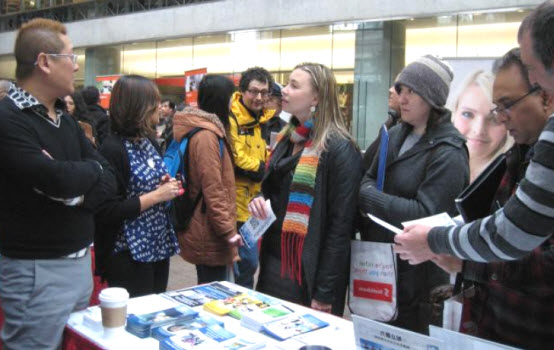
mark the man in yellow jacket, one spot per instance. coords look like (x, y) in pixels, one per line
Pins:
(250, 155)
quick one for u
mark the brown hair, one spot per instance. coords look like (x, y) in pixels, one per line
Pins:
(328, 118)
(133, 100)
(36, 36)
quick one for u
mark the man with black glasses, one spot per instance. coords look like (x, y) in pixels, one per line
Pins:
(512, 299)
(250, 154)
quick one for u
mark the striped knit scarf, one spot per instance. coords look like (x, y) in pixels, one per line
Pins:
(301, 198)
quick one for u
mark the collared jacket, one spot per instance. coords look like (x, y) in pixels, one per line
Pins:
(421, 182)
(214, 220)
(326, 250)
(249, 152)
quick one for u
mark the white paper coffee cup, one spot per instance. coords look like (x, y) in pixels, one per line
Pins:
(113, 305)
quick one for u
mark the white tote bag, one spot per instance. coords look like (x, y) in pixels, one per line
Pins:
(373, 272)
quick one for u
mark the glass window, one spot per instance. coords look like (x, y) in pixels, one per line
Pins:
(254, 48)
(344, 41)
(7, 67)
(212, 52)
(174, 57)
(436, 36)
(487, 35)
(465, 35)
(80, 75)
(312, 44)
(139, 58)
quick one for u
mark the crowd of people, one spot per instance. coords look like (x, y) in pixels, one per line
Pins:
(73, 174)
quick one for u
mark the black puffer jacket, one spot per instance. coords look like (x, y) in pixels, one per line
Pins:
(325, 256)
(421, 182)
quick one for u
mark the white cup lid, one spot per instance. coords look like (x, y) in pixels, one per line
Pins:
(113, 294)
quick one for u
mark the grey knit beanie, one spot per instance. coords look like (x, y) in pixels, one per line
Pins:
(429, 77)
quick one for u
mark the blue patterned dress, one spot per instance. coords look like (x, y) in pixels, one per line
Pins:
(149, 237)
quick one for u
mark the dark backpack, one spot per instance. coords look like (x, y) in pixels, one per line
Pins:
(181, 208)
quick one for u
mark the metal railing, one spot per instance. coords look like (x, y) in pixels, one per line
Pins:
(15, 12)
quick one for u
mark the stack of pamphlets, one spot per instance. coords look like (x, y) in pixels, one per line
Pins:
(200, 321)
(256, 320)
(293, 325)
(213, 338)
(92, 318)
(142, 324)
(239, 305)
(203, 338)
(244, 343)
(202, 294)
(262, 302)
(225, 306)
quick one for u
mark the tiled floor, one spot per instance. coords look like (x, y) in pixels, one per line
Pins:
(181, 274)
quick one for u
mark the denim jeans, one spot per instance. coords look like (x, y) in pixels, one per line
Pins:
(246, 267)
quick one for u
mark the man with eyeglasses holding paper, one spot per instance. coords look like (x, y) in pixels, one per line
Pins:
(511, 303)
(250, 155)
(51, 182)
(527, 219)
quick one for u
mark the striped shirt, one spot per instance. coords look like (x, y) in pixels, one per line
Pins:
(523, 224)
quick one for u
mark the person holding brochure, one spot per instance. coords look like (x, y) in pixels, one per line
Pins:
(211, 240)
(426, 168)
(527, 219)
(512, 302)
(311, 180)
(247, 114)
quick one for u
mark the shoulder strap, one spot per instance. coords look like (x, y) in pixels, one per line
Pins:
(183, 146)
(185, 165)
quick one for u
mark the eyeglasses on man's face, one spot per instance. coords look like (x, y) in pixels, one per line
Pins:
(73, 57)
(255, 92)
(505, 110)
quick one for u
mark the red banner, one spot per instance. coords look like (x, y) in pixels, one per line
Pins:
(105, 85)
(192, 79)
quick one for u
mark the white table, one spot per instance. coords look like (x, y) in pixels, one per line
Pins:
(339, 335)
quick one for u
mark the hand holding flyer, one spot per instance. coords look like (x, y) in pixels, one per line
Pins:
(254, 227)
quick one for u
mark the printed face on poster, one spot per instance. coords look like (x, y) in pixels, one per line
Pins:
(105, 84)
(192, 79)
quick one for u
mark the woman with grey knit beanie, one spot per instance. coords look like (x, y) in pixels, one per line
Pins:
(426, 168)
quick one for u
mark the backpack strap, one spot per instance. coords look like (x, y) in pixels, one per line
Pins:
(183, 147)
(185, 166)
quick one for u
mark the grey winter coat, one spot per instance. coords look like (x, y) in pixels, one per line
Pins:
(421, 182)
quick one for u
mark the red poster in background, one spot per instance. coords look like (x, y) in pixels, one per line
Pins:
(192, 79)
(105, 84)
(235, 78)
